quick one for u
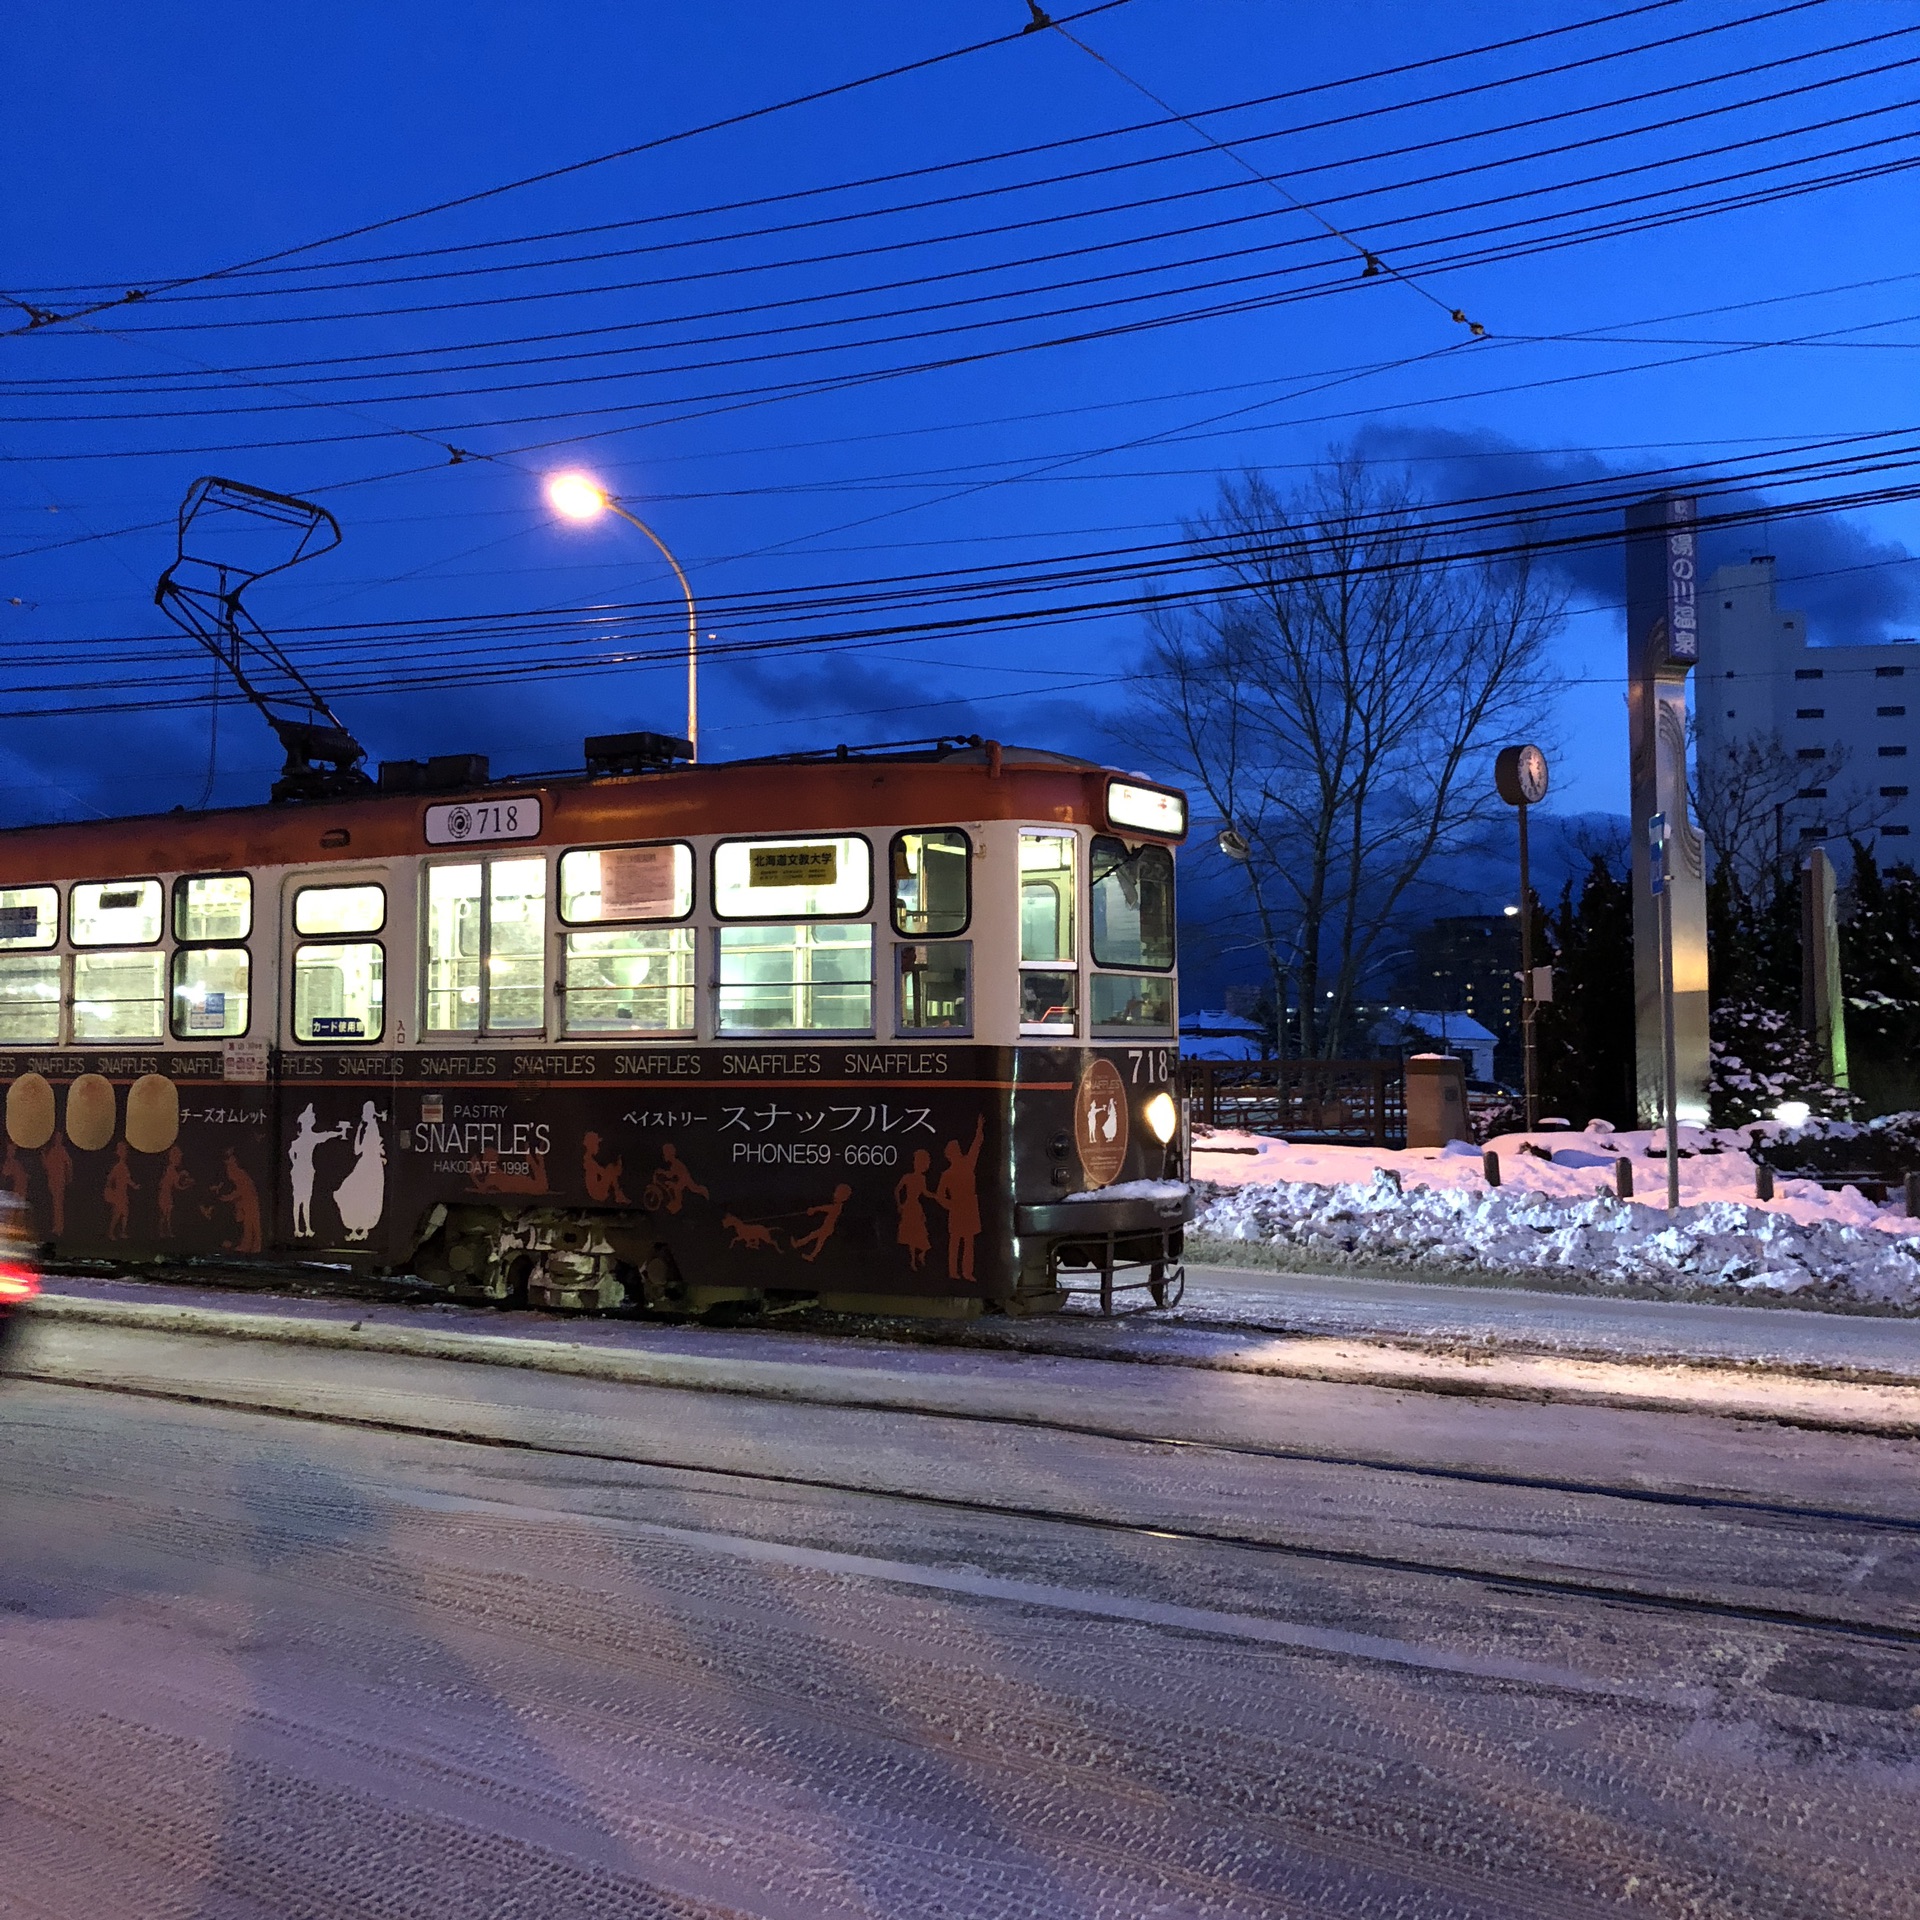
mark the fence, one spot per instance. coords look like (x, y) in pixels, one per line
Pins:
(1360, 1101)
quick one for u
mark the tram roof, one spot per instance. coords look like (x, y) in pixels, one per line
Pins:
(843, 789)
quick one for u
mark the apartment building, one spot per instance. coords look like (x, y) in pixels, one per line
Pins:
(1758, 674)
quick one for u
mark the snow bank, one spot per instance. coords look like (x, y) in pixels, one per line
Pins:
(1560, 1216)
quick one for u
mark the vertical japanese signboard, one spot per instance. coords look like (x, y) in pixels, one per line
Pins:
(1663, 645)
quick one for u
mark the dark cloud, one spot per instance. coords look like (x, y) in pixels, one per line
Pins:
(1855, 588)
(896, 701)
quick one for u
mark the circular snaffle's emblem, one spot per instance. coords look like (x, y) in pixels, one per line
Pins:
(1100, 1122)
(459, 823)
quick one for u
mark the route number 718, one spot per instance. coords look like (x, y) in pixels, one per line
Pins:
(1154, 1060)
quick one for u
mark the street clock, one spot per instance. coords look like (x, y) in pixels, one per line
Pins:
(1520, 776)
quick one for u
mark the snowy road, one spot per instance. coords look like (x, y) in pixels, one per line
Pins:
(639, 1652)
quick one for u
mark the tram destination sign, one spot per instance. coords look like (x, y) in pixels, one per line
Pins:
(464, 823)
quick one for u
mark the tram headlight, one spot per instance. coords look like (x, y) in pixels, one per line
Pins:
(1162, 1117)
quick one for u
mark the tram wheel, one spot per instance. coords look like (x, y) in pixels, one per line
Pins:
(517, 1273)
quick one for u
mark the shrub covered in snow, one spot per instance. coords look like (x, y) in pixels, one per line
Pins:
(1760, 1059)
(1512, 1230)
(1886, 1149)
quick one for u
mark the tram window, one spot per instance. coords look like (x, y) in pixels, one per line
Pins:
(339, 992)
(324, 910)
(118, 996)
(516, 946)
(1122, 1003)
(454, 904)
(1046, 897)
(1049, 997)
(783, 979)
(626, 883)
(486, 947)
(1132, 904)
(629, 980)
(933, 986)
(1048, 1001)
(115, 913)
(931, 882)
(29, 999)
(210, 993)
(29, 917)
(213, 906)
(781, 879)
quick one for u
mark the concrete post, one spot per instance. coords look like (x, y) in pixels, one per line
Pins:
(1823, 999)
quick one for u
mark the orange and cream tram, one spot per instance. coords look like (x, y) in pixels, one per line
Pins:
(894, 1030)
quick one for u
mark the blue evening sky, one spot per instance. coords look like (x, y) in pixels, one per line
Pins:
(857, 412)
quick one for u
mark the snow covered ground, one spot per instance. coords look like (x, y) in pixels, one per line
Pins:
(1560, 1217)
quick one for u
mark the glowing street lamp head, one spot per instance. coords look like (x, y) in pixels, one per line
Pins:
(574, 497)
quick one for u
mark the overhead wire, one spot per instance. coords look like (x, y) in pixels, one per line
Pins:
(547, 359)
(1451, 141)
(1663, 44)
(448, 438)
(1467, 518)
(43, 318)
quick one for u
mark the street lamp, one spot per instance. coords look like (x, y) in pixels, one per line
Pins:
(576, 496)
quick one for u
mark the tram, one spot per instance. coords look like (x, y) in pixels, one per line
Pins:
(891, 1030)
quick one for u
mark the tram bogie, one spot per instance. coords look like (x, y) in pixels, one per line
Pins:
(886, 1032)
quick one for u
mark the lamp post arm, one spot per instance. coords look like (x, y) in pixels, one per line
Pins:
(693, 629)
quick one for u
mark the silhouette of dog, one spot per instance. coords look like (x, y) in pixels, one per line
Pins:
(747, 1234)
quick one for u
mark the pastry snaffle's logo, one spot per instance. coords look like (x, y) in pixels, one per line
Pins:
(459, 823)
(1100, 1122)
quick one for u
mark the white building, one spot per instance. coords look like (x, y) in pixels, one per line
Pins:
(1758, 675)
(1417, 1030)
(1211, 1033)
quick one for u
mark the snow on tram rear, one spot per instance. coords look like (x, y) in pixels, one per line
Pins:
(892, 1030)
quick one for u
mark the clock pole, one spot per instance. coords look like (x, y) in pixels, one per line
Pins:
(1529, 1072)
(1520, 778)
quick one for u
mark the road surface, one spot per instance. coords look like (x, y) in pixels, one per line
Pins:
(435, 1640)
(1568, 1322)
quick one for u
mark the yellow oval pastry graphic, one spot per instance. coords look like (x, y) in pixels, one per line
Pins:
(91, 1112)
(30, 1111)
(153, 1113)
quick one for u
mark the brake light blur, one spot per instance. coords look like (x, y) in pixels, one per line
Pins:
(17, 1283)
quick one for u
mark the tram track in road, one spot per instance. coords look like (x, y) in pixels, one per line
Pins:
(1729, 1503)
(1666, 1601)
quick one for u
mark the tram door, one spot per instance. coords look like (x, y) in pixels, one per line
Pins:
(341, 1030)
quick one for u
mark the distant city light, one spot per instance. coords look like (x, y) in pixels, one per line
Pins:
(575, 497)
(1793, 1113)
(1512, 913)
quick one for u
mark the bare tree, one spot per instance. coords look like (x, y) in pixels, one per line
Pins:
(1754, 799)
(1338, 702)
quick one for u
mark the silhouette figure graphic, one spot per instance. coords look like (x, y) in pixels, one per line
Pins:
(603, 1178)
(300, 1161)
(748, 1233)
(243, 1197)
(829, 1219)
(362, 1195)
(911, 1194)
(174, 1181)
(18, 1180)
(959, 1193)
(671, 1183)
(57, 1164)
(118, 1193)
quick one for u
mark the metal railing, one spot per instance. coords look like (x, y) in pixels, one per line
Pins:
(1356, 1101)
